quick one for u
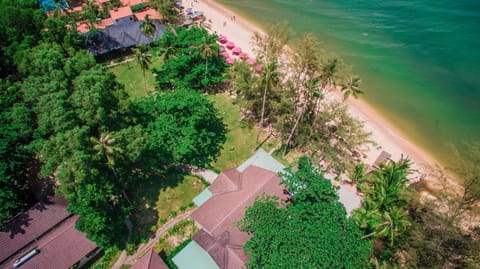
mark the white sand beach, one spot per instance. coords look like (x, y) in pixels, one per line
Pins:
(388, 138)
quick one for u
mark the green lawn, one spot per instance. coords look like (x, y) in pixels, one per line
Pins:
(240, 141)
(130, 75)
(161, 198)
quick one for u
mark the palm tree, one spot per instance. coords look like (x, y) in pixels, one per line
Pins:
(147, 27)
(143, 59)
(358, 173)
(169, 11)
(352, 87)
(105, 148)
(270, 79)
(202, 23)
(383, 213)
(167, 48)
(208, 48)
(309, 96)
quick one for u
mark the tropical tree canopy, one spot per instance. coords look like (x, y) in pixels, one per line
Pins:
(384, 210)
(184, 127)
(187, 67)
(312, 231)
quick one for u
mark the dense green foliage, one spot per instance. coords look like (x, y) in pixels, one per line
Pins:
(185, 62)
(15, 132)
(92, 140)
(312, 231)
(20, 25)
(184, 127)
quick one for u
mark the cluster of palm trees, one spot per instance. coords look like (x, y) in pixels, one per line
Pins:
(384, 211)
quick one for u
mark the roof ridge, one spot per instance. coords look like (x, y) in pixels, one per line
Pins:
(246, 197)
(150, 258)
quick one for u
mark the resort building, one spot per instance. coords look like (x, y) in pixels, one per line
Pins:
(219, 243)
(150, 260)
(121, 30)
(45, 237)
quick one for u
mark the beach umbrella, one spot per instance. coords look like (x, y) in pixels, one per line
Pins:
(224, 54)
(236, 50)
(222, 39)
(259, 67)
(230, 45)
(230, 60)
(243, 55)
(251, 61)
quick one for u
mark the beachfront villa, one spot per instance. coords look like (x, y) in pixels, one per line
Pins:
(219, 243)
(121, 30)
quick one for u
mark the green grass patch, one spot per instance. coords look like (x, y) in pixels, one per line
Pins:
(161, 198)
(168, 245)
(240, 141)
(130, 75)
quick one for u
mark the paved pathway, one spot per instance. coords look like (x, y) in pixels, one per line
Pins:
(208, 175)
(131, 259)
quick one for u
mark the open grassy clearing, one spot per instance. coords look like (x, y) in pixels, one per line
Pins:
(161, 198)
(130, 75)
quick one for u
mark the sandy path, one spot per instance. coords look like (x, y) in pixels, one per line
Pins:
(383, 132)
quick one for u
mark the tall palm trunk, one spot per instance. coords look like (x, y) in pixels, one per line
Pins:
(123, 190)
(206, 67)
(263, 110)
(144, 81)
(290, 136)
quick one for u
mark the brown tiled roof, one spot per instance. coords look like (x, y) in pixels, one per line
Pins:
(151, 260)
(62, 247)
(153, 14)
(120, 12)
(232, 193)
(32, 224)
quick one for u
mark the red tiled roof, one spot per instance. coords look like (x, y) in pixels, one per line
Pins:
(32, 224)
(120, 12)
(151, 260)
(82, 27)
(153, 14)
(60, 248)
(232, 193)
(132, 2)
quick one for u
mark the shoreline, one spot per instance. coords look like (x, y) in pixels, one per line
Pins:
(384, 132)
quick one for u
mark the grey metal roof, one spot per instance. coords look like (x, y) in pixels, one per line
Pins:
(264, 160)
(120, 36)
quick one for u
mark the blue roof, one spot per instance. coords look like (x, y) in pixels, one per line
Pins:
(193, 256)
(49, 5)
(263, 160)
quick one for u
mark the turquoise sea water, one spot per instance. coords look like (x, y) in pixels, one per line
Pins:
(419, 60)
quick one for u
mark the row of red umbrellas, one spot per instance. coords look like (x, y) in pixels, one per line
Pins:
(236, 51)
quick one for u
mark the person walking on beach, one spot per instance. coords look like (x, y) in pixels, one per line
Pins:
(224, 23)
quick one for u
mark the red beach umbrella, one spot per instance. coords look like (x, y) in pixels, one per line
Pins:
(222, 39)
(236, 50)
(230, 60)
(243, 55)
(230, 45)
(224, 54)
